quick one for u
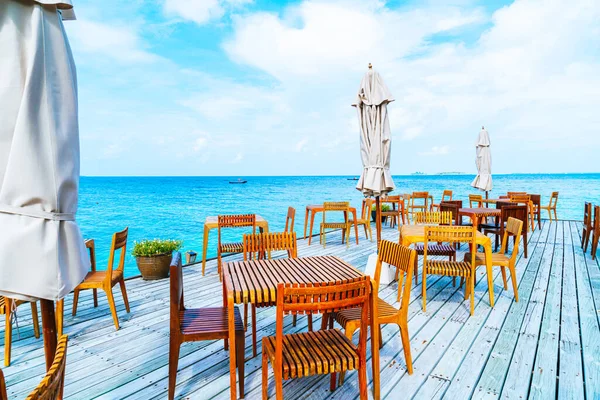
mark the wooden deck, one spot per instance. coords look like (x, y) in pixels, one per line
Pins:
(545, 346)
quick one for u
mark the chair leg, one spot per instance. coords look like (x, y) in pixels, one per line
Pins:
(424, 291)
(380, 336)
(254, 330)
(525, 243)
(294, 318)
(278, 375)
(124, 294)
(60, 316)
(7, 332)
(406, 347)
(503, 270)
(34, 317)
(240, 349)
(173, 362)
(362, 380)
(472, 293)
(310, 322)
(324, 321)
(513, 278)
(265, 376)
(111, 304)
(245, 316)
(95, 291)
(332, 377)
(75, 301)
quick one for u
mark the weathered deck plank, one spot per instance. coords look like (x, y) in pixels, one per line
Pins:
(514, 350)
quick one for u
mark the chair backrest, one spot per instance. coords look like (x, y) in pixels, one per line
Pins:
(446, 196)
(51, 386)
(587, 215)
(513, 228)
(235, 221)
(403, 258)
(452, 206)
(519, 212)
(336, 206)
(119, 242)
(553, 200)
(419, 196)
(367, 204)
(450, 234)
(176, 289)
(321, 298)
(596, 224)
(257, 244)
(395, 200)
(475, 200)
(289, 219)
(3, 394)
(509, 194)
(436, 217)
(520, 198)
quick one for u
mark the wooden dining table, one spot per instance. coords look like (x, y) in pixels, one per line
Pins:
(312, 209)
(255, 281)
(477, 213)
(212, 222)
(411, 234)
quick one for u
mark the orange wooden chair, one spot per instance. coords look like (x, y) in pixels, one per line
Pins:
(509, 194)
(502, 259)
(587, 226)
(404, 259)
(197, 324)
(475, 201)
(397, 212)
(326, 352)
(435, 249)
(526, 200)
(51, 386)
(446, 196)
(345, 226)
(365, 218)
(551, 207)
(289, 220)
(465, 269)
(106, 280)
(7, 307)
(419, 201)
(596, 231)
(260, 246)
(232, 221)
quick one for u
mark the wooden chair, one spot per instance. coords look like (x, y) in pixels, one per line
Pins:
(7, 307)
(52, 385)
(452, 206)
(320, 352)
(106, 280)
(587, 226)
(397, 211)
(289, 220)
(596, 231)
(260, 246)
(502, 259)
(446, 196)
(475, 201)
(404, 259)
(464, 269)
(438, 249)
(415, 203)
(509, 194)
(232, 221)
(433, 218)
(365, 218)
(551, 207)
(526, 199)
(197, 324)
(508, 210)
(335, 206)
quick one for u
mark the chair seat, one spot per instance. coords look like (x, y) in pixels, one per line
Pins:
(354, 314)
(449, 268)
(232, 247)
(99, 276)
(359, 221)
(497, 259)
(209, 320)
(334, 225)
(436, 249)
(310, 353)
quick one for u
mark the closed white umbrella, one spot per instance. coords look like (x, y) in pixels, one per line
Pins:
(375, 138)
(483, 180)
(42, 254)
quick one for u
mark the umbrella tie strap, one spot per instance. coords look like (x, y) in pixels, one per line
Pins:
(374, 166)
(52, 216)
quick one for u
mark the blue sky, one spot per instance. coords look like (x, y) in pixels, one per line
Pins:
(264, 87)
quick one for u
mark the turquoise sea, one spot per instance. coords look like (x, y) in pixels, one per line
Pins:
(175, 207)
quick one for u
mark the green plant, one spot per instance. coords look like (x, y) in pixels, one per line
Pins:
(384, 207)
(155, 247)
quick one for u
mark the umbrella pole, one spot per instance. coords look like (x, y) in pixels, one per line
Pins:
(49, 329)
(378, 220)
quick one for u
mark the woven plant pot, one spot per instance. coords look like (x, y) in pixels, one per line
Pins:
(154, 267)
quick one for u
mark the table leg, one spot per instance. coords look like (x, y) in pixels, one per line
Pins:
(312, 222)
(306, 220)
(488, 267)
(204, 248)
(355, 226)
(375, 342)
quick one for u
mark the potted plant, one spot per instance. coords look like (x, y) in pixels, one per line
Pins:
(154, 257)
(384, 207)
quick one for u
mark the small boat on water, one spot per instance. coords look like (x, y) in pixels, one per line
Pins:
(238, 182)
(352, 179)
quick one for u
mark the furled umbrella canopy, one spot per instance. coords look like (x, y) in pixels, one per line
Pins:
(483, 180)
(42, 254)
(375, 135)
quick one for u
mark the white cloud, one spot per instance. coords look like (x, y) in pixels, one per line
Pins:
(116, 42)
(301, 145)
(201, 11)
